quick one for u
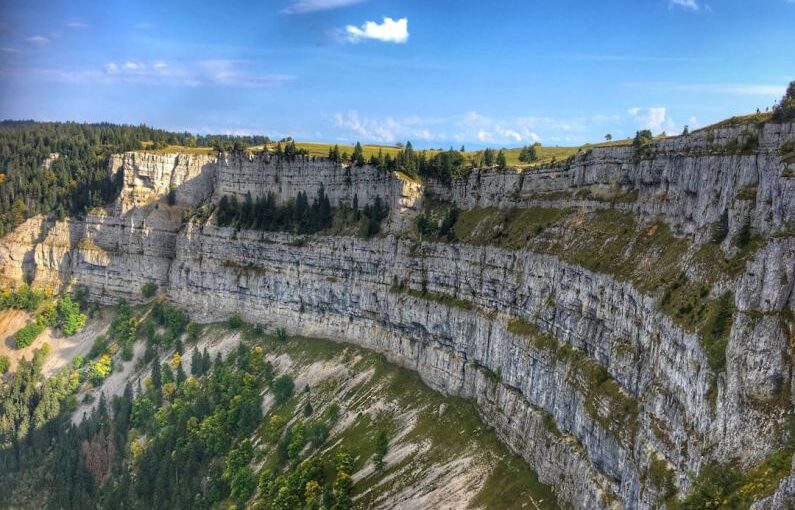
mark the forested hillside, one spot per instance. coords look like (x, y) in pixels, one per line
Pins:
(61, 168)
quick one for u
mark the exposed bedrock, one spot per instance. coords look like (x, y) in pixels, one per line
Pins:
(579, 372)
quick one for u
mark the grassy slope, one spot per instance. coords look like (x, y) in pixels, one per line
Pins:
(410, 411)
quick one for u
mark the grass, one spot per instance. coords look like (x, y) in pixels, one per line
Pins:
(438, 297)
(724, 486)
(752, 118)
(459, 432)
(179, 149)
(319, 149)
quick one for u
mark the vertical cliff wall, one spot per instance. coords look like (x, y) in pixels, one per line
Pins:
(584, 369)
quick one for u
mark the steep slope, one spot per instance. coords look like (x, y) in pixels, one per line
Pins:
(587, 307)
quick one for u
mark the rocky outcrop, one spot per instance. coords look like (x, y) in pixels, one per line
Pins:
(687, 182)
(578, 371)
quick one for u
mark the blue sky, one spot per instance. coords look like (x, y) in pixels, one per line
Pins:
(436, 72)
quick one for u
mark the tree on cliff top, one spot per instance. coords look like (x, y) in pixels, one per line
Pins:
(785, 110)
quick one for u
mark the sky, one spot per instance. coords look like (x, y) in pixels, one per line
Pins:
(439, 73)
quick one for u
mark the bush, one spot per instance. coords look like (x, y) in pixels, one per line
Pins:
(642, 138)
(235, 322)
(744, 234)
(5, 364)
(100, 369)
(193, 331)
(148, 289)
(28, 334)
(528, 154)
(283, 387)
(281, 334)
(381, 448)
(100, 346)
(70, 318)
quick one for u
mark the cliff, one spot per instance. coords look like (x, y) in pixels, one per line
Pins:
(578, 308)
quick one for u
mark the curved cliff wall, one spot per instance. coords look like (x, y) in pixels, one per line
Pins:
(587, 373)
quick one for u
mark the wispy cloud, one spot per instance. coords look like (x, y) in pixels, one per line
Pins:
(76, 25)
(305, 6)
(218, 72)
(654, 118)
(37, 40)
(468, 128)
(143, 25)
(729, 89)
(690, 5)
(631, 58)
(389, 31)
(388, 130)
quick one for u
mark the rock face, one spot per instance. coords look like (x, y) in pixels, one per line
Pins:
(605, 386)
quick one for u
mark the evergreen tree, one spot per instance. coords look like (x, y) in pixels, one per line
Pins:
(358, 155)
(720, 229)
(502, 163)
(196, 366)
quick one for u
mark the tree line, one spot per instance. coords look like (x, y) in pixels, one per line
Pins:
(298, 215)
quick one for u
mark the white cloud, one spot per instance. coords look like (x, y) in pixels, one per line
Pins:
(134, 66)
(143, 25)
(654, 118)
(305, 6)
(690, 5)
(739, 89)
(37, 40)
(224, 73)
(388, 31)
(388, 130)
(77, 25)
(732, 89)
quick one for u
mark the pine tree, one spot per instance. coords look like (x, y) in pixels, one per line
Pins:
(196, 367)
(720, 229)
(502, 163)
(358, 155)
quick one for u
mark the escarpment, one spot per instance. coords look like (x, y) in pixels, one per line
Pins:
(588, 307)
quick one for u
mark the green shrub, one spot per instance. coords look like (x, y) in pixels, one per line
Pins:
(21, 298)
(283, 387)
(235, 322)
(70, 319)
(642, 138)
(381, 448)
(100, 345)
(148, 289)
(28, 334)
(281, 334)
(193, 331)
(5, 364)
(744, 234)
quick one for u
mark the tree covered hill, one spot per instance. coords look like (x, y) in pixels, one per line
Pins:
(33, 182)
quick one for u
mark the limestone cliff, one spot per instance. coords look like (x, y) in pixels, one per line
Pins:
(586, 371)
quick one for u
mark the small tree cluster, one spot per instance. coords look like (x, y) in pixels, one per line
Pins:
(529, 153)
(642, 138)
(263, 214)
(784, 111)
